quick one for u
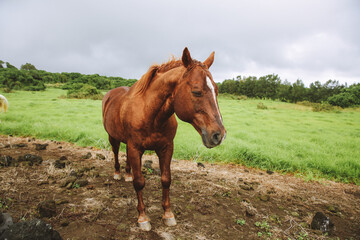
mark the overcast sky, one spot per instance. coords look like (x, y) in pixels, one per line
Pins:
(298, 39)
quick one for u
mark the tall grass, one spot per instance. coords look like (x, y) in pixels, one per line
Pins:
(285, 137)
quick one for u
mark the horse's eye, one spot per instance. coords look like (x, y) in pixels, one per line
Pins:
(196, 93)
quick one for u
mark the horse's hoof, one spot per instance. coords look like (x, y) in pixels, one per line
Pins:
(128, 178)
(117, 176)
(169, 221)
(145, 226)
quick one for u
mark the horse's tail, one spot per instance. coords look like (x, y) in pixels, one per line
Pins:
(3, 103)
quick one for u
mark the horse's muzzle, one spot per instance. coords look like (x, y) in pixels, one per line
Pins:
(213, 139)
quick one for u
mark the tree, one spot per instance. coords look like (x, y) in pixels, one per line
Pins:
(28, 67)
(1, 64)
(284, 91)
(229, 86)
(8, 65)
(298, 91)
(348, 97)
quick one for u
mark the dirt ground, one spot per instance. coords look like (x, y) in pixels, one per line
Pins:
(210, 201)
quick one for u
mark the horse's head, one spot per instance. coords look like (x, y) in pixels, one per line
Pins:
(195, 100)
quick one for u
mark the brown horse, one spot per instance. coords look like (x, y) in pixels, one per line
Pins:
(143, 118)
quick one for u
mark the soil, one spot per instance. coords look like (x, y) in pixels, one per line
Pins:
(210, 201)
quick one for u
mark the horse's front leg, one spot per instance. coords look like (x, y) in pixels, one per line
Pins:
(165, 155)
(134, 159)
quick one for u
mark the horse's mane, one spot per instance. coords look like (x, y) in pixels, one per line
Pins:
(143, 83)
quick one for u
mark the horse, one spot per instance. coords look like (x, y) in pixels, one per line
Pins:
(143, 117)
(3, 104)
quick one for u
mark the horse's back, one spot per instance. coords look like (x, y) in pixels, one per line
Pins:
(114, 96)
(111, 105)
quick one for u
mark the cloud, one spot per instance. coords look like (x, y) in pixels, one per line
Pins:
(316, 40)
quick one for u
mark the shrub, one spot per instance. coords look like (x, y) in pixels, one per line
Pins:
(261, 106)
(305, 103)
(347, 98)
(242, 97)
(323, 107)
(86, 91)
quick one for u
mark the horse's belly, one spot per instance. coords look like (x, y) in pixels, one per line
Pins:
(156, 141)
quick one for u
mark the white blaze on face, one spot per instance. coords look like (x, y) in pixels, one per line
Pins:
(211, 86)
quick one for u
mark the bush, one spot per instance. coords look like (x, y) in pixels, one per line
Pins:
(85, 91)
(347, 98)
(261, 106)
(305, 103)
(242, 97)
(323, 107)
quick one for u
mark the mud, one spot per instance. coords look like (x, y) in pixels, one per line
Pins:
(210, 201)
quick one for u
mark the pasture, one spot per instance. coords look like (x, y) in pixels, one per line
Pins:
(285, 137)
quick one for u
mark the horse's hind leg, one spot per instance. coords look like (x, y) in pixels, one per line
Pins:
(134, 157)
(128, 177)
(115, 148)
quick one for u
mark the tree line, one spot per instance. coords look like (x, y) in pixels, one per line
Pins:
(265, 87)
(31, 79)
(272, 87)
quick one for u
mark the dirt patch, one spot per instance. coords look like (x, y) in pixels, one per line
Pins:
(210, 201)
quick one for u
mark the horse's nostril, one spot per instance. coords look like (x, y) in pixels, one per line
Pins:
(216, 138)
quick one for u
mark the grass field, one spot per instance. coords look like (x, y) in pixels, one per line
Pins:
(285, 137)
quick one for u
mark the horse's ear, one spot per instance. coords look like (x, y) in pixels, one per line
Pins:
(186, 58)
(209, 61)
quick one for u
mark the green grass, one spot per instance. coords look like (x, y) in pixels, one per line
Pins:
(285, 137)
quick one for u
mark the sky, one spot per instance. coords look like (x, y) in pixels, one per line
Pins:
(313, 40)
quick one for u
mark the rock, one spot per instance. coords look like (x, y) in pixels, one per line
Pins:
(64, 222)
(39, 146)
(59, 164)
(47, 208)
(81, 182)
(32, 159)
(271, 191)
(74, 173)
(148, 164)
(5, 222)
(86, 156)
(322, 223)
(264, 197)
(100, 156)
(20, 145)
(84, 169)
(8, 161)
(34, 229)
(94, 174)
(250, 210)
(200, 165)
(68, 180)
(246, 186)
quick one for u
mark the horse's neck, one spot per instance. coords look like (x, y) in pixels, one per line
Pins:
(160, 93)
